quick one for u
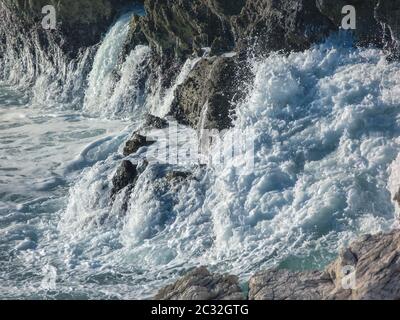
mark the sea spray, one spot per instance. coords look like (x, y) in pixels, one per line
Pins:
(325, 127)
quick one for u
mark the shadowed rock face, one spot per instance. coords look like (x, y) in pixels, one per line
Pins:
(368, 31)
(135, 143)
(388, 12)
(271, 25)
(200, 284)
(80, 23)
(181, 27)
(375, 267)
(126, 175)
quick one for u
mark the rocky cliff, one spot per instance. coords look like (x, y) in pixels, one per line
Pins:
(178, 29)
(80, 24)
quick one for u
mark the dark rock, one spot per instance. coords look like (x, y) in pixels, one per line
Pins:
(270, 25)
(80, 23)
(126, 174)
(368, 31)
(135, 143)
(207, 98)
(200, 284)
(388, 13)
(154, 122)
(182, 27)
(227, 7)
(177, 176)
(397, 197)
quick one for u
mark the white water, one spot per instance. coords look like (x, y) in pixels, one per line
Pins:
(113, 94)
(325, 124)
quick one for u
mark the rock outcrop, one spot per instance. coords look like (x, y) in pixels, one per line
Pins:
(200, 284)
(207, 97)
(368, 270)
(286, 285)
(265, 26)
(126, 174)
(80, 23)
(135, 143)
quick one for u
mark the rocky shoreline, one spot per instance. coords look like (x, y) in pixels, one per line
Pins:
(369, 269)
(222, 34)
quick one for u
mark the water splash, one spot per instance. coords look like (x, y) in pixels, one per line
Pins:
(114, 93)
(325, 125)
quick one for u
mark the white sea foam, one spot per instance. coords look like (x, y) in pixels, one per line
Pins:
(112, 93)
(325, 126)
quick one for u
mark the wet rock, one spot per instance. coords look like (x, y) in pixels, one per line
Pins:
(368, 269)
(80, 23)
(207, 98)
(376, 261)
(135, 143)
(286, 285)
(388, 13)
(177, 176)
(368, 30)
(265, 26)
(180, 28)
(200, 284)
(154, 122)
(126, 174)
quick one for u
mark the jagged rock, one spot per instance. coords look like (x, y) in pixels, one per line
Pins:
(135, 143)
(200, 284)
(227, 7)
(286, 285)
(207, 98)
(368, 30)
(181, 27)
(126, 174)
(155, 122)
(177, 176)
(374, 259)
(80, 23)
(270, 25)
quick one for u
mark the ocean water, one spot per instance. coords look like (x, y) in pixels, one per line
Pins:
(325, 125)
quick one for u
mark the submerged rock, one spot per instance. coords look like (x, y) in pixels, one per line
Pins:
(135, 143)
(200, 284)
